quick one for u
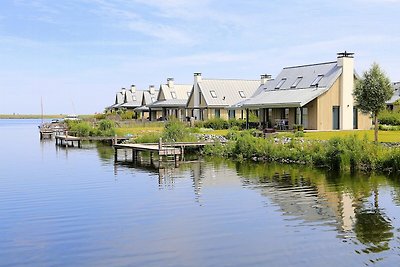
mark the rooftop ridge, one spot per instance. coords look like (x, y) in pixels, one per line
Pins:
(215, 79)
(309, 65)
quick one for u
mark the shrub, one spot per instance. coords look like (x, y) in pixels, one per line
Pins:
(389, 117)
(216, 124)
(176, 131)
(127, 115)
(152, 137)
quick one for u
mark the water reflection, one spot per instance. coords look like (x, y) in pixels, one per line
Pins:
(347, 203)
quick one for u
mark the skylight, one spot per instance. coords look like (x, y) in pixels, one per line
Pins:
(213, 94)
(173, 94)
(296, 82)
(317, 80)
(242, 95)
(281, 82)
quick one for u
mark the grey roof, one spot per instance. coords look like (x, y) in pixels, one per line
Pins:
(169, 103)
(396, 93)
(132, 99)
(149, 98)
(226, 92)
(181, 91)
(269, 95)
(142, 108)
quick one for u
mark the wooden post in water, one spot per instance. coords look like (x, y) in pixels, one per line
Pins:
(160, 147)
(115, 140)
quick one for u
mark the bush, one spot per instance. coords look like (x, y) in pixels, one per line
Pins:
(216, 124)
(100, 116)
(127, 115)
(389, 117)
(151, 137)
(176, 131)
(80, 128)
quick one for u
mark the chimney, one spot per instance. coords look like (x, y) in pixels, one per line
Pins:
(133, 88)
(345, 60)
(123, 90)
(265, 78)
(197, 77)
(152, 90)
(170, 82)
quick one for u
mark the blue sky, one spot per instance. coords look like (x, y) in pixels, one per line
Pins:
(76, 54)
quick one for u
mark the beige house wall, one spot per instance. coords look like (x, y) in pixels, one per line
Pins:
(312, 114)
(364, 121)
(325, 102)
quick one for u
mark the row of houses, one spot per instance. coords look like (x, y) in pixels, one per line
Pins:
(317, 96)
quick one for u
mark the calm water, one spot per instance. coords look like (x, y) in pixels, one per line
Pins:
(76, 207)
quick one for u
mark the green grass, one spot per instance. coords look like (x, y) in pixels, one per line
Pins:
(138, 130)
(384, 136)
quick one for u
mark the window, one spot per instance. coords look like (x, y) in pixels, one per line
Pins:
(200, 97)
(173, 94)
(217, 113)
(296, 82)
(281, 82)
(213, 94)
(317, 80)
(231, 114)
(242, 95)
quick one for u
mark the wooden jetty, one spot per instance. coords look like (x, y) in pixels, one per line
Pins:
(176, 149)
(48, 130)
(68, 140)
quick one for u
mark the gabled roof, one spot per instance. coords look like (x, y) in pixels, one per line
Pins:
(132, 99)
(296, 86)
(396, 93)
(226, 92)
(181, 91)
(175, 95)
(149, 98)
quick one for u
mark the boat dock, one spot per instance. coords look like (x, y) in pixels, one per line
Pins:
(176, 149)
(48, 130)
(68, 140)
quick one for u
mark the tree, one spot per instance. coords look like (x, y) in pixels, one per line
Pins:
(371, 93)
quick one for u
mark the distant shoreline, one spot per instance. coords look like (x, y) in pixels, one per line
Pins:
(30, 116)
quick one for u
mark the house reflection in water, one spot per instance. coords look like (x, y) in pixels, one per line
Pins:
(349, 205)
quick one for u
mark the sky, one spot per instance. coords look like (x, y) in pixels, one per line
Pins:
(73, 56)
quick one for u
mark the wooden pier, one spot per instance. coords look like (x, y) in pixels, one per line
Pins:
(68, 140)
(176, 149)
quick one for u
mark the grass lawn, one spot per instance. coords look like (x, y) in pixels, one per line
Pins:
(138, 130)
(383, 136)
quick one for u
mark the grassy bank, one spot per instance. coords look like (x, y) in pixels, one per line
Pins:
(339, 153)
(384, 136)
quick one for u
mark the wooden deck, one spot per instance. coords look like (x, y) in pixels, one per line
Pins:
(175, 149)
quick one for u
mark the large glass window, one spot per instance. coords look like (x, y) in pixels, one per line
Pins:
(217, 113)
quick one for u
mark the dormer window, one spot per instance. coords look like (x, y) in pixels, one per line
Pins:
(281, 82)
(296, 82)
(213, 94)
(173, 94)
(242, 95)
(317, 80)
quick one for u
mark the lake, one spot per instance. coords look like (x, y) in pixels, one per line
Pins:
(77, 207)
